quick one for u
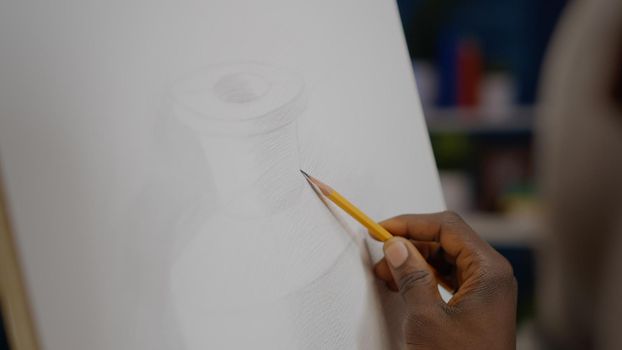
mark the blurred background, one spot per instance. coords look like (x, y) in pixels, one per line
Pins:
(477, 64)
(510, 89)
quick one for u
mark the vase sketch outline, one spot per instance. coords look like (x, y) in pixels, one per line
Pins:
(272, 258)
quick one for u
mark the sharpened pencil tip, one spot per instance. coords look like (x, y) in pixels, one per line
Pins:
(324, 188)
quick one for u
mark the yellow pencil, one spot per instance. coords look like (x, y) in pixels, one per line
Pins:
(377, 231)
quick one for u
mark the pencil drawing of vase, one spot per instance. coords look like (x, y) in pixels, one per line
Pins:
(271, 268)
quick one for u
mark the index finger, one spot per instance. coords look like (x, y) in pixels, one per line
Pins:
(422, 227)
(446, 228)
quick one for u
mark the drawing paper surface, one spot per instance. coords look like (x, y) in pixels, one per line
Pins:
(150, 152)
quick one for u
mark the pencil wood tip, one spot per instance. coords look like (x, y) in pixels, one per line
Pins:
(324, 188)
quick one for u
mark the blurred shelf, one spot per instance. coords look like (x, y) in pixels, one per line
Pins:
(497, 229)
(474, 121)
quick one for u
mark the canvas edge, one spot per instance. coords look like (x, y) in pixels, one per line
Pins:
(15, 307)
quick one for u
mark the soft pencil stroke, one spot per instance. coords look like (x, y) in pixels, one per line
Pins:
(273, 257)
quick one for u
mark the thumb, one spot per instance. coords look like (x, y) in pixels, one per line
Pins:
(411, 272)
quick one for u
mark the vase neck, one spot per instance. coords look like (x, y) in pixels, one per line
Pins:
(255, 175)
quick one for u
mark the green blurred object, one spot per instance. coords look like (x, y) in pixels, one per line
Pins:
(452, 150)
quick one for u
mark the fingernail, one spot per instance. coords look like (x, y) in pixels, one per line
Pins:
(396, 253)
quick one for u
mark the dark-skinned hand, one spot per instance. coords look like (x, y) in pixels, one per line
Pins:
(429, 249)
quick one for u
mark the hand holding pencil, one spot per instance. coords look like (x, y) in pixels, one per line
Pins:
(422, 250)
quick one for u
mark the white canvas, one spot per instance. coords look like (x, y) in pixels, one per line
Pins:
(150, 151)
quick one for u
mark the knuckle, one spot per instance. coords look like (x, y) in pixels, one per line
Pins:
(505, 268)
(451, 217)
(414, 279)
(502, 280)
(498, 281)
(499, 269)
(419, 320)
